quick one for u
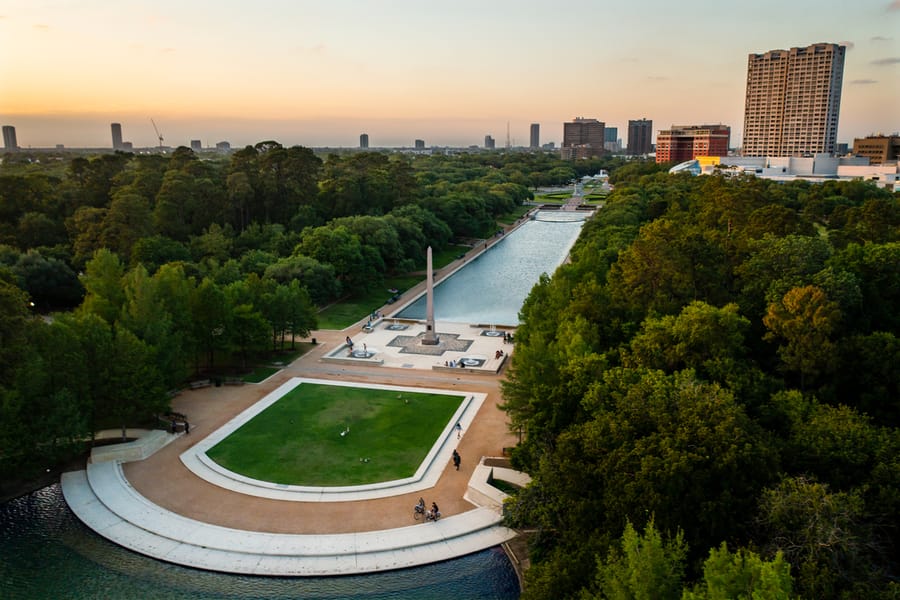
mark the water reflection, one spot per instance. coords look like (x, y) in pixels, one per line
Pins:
(46, 552)
(492, 288)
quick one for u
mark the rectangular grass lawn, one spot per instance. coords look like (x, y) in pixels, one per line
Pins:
(298, 441)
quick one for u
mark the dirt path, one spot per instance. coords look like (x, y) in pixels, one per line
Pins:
(166, 481)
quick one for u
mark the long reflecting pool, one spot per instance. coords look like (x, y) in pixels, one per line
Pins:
(492, 288)
(46, 552)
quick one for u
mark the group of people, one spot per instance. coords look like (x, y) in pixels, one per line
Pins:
(498, 354)
(432, 514)
(454, 363)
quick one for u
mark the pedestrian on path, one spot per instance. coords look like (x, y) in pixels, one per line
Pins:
(456, 459)
(458, 431)
(187, 427)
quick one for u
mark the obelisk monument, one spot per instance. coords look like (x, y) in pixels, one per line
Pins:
(430, 338)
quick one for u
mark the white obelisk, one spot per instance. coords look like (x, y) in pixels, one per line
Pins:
(430, 337)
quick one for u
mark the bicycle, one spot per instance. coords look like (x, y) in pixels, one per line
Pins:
(419, 512)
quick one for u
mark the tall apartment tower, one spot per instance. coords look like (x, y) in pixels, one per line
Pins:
(9, 138)
(793, 101)
(489, 142)
(640, 134)
(535, 140)
(116, 129)
(364, 140)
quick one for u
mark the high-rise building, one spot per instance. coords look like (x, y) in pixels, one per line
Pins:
(610, 134)
(419, 144)
(535, 141)
(583, 138)
(9, 138)
(223, 147)
(640, 135)
(686, 142)
(879, 149)
(364, 140)
(793, 101)
(489, 142)
(196, 145)
(116, 129)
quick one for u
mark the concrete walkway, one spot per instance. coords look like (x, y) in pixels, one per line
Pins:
(104, 500)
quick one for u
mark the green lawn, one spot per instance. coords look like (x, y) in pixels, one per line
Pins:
(511, 217)
(298, 439)
(350, 310)
(260, 374)
(347, 312)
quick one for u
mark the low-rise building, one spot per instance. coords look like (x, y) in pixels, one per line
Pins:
(685, 142)
(879, 149)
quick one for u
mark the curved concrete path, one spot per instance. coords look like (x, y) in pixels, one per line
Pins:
(106, 502)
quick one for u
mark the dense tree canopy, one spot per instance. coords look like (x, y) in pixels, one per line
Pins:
(714, 361)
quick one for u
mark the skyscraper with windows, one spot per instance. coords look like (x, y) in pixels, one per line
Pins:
(364, 140)
(640, 134)
(116, 129)
(583, 138)
(9, 138)
(489, 142)
(793, 100)
(535, 141)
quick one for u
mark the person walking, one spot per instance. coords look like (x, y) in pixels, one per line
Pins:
(458, 430)
(456, 459)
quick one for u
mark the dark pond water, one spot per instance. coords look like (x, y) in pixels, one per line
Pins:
(46, 552)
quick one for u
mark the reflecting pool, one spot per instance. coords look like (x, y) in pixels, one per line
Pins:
(46, 552)
(492, 288)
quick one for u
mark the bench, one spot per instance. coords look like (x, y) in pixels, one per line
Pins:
(200, 383)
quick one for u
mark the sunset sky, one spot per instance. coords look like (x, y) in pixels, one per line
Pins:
(319, 73)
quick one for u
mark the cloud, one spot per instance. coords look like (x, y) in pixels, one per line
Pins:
(880, 38)
(881, 62)
(864, 81)
(895, 5)
(167, 50)
(657, 78)
(849, 45)
(41, 26)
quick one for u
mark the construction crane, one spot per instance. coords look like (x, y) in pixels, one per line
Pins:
(156, 129)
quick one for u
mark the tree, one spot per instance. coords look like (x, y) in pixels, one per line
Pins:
(135, 385)
(707, 339)
(820, 533)
(50, 282)
(804, 320)
(14, 316)
(127, 220)
(210, 315)
(742, 575)
(643, 567)
(102, 282)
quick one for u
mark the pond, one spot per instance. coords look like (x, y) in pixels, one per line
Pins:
(492, 288)
(46, 552)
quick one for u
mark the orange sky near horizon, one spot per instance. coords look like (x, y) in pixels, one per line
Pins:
(306, 73)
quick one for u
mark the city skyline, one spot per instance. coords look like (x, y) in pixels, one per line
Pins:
(317, 75)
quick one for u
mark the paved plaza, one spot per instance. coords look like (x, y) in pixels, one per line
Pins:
(169, 506)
